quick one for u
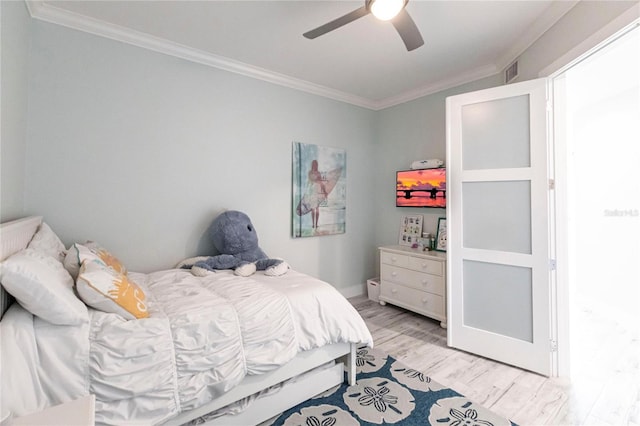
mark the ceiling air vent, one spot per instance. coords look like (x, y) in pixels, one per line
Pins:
(511, 73)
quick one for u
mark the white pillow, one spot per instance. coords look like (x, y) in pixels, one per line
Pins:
(46, 241)
(43, 287)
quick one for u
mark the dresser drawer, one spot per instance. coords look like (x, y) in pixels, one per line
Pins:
(416, 300)
(426, 265)
(417, 280)
(394, 259)
(414, 280)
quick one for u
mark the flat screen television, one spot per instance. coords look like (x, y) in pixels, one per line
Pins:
(421, 188)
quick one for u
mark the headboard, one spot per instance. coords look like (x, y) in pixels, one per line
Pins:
(14, 236)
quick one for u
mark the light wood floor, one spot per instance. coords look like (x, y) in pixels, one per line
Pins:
(525, 398)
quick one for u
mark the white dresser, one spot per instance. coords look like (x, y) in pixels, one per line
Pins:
(414, 280)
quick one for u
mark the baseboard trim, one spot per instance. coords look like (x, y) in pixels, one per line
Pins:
(354, 290)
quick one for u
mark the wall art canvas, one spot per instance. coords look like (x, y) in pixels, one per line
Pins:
(319, 190)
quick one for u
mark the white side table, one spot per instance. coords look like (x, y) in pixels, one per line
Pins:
(80, 412)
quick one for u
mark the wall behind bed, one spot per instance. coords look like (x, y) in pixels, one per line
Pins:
(14, 37)
(139, 151)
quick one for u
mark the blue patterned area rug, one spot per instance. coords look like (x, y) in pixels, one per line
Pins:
(389, 392)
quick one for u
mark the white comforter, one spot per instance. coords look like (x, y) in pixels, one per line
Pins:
(203, 336)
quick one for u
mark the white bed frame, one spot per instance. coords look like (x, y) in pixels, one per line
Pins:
(15, 235)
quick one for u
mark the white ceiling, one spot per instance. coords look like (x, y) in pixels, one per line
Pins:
(364, 63)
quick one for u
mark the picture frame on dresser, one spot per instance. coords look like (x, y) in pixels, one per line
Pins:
(441, 235)
(410, 229)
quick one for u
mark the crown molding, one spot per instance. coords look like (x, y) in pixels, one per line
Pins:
(551, 15)
(468, 77)
(48, 13)
(627, 21)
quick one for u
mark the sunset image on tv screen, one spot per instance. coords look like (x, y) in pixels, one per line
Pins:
(421, 188)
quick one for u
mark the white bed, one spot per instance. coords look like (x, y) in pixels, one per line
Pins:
(165, 369)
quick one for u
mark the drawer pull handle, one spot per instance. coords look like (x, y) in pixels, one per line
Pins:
(425, 282)
(394, 260)
(425, 300)
(424, 266)
(394, 291)
(393, 274)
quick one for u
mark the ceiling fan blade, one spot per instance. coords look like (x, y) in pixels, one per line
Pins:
(408, 30)
(337, 23)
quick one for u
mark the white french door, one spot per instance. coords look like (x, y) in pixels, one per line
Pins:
(499, 265)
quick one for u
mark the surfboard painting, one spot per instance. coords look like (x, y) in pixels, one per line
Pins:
(319, 190)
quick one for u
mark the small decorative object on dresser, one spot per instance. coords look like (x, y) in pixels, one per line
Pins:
(441, 236)
(414, 280)
(410, 230)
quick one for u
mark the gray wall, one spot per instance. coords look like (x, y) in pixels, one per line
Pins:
(139, 151)
(15, 47)
(411, 131)
(416, 130)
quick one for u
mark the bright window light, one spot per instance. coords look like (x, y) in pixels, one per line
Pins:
(385, 10)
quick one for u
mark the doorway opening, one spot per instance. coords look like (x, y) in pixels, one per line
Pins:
(598, 130)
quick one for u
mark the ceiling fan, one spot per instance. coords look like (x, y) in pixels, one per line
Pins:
(385, 10)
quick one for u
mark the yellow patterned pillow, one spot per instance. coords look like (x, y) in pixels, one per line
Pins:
(109, 259)
(78, 253)
(108, 290)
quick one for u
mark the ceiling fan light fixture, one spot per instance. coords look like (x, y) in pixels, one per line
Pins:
(385, 10)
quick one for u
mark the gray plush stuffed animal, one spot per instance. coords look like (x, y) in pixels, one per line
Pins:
(235, 237)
